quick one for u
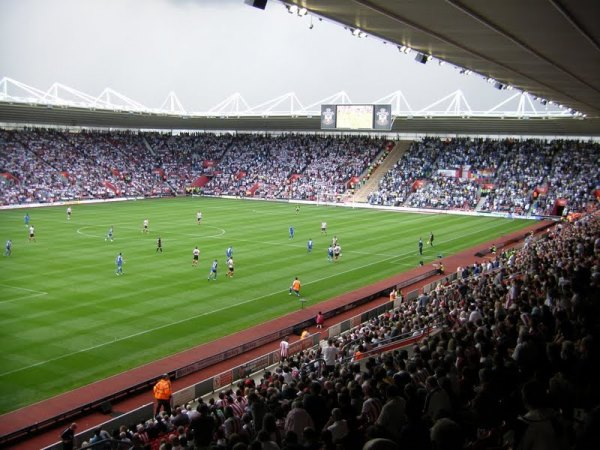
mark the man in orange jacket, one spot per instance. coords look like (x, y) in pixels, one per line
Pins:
(162, 394)
(295, 288)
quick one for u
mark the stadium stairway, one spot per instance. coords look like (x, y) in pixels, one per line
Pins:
(480, 204)
(362, 193)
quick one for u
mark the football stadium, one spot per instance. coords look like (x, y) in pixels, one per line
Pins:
(336, 275)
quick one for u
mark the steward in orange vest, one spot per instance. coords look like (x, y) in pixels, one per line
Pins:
(162, 394)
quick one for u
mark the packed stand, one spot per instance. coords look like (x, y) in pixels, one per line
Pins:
(524, 166)
(519, 177)
(262, 165)
(534, 174)
(292, 166)
(581, 183)
(430, 175)
(187, 156)
(332, 163)
(397, 185)
(455, 191)
(46, 166)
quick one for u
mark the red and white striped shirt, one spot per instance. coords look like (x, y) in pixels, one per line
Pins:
(283, 348)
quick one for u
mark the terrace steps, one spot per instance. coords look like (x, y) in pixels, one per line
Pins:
(390, 160)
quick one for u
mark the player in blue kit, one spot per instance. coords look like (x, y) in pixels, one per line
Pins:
(291, 233)
(119, 263)
(309, 246)
(212, 275)
(229, 252)
(330, 253)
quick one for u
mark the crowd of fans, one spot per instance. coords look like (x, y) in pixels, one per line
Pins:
(513, 364)
(524, 177)
(45, 166)
(508, 176)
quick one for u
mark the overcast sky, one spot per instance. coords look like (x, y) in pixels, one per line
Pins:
(206, 50)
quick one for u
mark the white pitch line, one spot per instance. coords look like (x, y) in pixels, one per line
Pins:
(215, 311)
(34, 293)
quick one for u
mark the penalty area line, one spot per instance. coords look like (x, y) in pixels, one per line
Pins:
(33, 293)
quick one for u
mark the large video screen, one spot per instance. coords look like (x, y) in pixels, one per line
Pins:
(356, 117)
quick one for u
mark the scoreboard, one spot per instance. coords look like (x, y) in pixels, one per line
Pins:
(356, 117)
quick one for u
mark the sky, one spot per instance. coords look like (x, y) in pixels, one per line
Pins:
(207, 50)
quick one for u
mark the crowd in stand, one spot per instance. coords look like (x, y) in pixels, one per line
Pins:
(185, 157)
(45, 166)
(525, 177)
(573, 176)
(331, 165)
(525, 166)
(513, 364)
(263, 163)
(520, 177)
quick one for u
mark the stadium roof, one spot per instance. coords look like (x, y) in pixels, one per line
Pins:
(548, 50)
(74, 117)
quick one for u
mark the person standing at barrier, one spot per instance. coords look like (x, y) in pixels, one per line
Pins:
(284, 347)
(67, 437)
(162, 395)
(320, 320)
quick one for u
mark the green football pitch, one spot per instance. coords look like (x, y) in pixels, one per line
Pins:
(68, 320)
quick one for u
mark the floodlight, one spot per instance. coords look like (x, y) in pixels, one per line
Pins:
(421, 58)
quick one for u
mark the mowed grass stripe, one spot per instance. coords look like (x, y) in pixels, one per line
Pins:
(93, 324)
